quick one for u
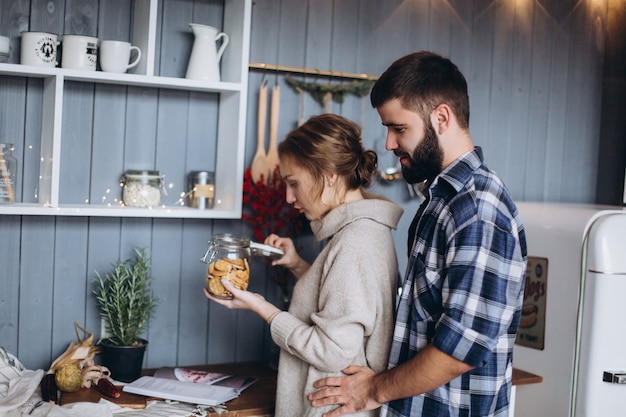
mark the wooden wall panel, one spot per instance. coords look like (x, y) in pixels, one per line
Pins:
(35, 305)
(461, 37)
(13, 101)
(103, 250)
(166, 266)
(14, 18)
(114, 20)
(534, 75)
(345, 42)
(81, 17)
(193, 314)
(581, 125)
(613, 124)
(516, 132)
(170, 156)
(177, 40)
(141, 113)
(201, 132)
(291, 42)
(479, 79)
(558, 115)
(50, 16)
(33, 107)
(70, 280)
(538, 106)
(10, 233)
(107, 160)
(76, 146)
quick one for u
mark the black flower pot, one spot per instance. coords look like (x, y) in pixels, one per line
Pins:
(124, 362)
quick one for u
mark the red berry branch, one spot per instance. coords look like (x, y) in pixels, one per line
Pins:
(268, 212)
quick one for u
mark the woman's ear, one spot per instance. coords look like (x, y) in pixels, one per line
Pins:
(331, 180)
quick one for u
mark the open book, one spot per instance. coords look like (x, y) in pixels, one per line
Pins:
(190, 386)
(190, 375)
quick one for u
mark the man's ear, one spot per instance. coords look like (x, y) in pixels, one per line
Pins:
(441, 118)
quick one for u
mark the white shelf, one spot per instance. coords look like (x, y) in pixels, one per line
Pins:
(119, 79)
(231, 118)
(94, 210)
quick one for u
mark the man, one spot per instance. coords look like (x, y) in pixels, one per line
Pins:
(461, 300)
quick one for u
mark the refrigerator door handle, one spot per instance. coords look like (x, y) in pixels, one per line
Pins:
(615, 377)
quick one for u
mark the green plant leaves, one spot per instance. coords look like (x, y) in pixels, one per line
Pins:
(125, 298)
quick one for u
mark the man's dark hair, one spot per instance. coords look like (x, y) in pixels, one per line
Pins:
(422, 81)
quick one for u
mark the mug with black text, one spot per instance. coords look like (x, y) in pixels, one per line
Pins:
(39, 49)
(79, 52)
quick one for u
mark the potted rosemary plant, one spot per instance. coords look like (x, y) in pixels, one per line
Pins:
(126, 303)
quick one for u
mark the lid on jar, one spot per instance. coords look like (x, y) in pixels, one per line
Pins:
(260, 249)
(135, 173)
(229, 240)
(202, 175)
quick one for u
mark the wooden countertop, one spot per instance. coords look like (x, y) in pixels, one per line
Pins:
(523, 377)
(258, 399)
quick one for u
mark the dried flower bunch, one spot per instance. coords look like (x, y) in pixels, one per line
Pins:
(125, 298)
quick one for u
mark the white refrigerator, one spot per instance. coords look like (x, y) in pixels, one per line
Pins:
(581, 322)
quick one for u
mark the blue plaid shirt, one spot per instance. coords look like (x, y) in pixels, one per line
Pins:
(463, 291)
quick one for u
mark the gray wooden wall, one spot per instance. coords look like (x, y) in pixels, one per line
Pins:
(534, 70)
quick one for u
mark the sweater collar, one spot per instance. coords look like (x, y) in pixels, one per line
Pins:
(381, 211)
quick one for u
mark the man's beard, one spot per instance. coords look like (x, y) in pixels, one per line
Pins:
(425, 164)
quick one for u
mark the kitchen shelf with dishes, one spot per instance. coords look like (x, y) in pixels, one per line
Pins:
(60, 88)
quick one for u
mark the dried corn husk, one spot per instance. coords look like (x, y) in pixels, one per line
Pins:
(80, 353)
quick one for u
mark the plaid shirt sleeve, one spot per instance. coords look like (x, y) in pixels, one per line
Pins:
(481, 289)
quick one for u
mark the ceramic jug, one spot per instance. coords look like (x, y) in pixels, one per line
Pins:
(205, 57)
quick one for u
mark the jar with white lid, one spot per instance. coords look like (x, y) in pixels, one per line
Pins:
(142, 188)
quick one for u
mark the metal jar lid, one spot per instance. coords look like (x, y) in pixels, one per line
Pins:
(136, 174)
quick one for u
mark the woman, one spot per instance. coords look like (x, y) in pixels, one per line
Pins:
(341, 310)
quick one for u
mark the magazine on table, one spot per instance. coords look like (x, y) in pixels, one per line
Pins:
(191, 386)
(190, 375)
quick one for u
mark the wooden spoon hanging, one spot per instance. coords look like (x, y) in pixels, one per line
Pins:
(259, 166)
(272, 153)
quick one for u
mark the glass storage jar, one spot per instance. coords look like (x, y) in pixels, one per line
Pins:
(142, 188)
(201, 185)
(8, 173)
(228, 257)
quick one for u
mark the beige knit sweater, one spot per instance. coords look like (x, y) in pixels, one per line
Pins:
(341, 311)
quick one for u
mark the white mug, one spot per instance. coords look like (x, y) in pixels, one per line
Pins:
(39, 49)
(4, 48)
(79, 52)
(115, 55)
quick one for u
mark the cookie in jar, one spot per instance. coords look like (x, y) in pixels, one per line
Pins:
(228, 257)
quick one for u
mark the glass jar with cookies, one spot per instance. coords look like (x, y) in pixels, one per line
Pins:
(228, 257)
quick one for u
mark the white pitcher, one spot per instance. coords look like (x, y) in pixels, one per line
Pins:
(205, 58)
